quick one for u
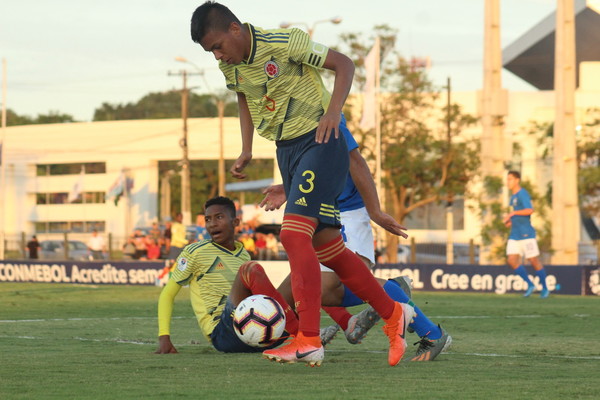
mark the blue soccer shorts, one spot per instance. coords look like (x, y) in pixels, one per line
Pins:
(314, 175)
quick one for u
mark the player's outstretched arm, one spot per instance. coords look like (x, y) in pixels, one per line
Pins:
(165, 310)
(247, 129)
(361, 175)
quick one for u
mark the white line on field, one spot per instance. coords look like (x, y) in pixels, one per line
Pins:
(9, 321)
(124, 341)
(484, 355)
(13, 321)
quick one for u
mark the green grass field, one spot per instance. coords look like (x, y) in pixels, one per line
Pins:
(65, 341)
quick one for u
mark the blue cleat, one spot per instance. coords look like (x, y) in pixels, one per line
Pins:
(530, 290)
(545, 293)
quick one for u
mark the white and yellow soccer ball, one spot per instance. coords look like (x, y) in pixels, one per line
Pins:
(259, 320)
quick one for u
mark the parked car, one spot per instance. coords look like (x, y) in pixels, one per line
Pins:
(54, 250)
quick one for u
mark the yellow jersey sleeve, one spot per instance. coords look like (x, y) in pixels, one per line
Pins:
(302, 50)
(165, 307)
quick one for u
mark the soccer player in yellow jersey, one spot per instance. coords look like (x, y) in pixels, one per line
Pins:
(220, 276)
(275, 74)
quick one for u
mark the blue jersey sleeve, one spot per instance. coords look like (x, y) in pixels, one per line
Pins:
(347, 135)
(349, 199)
(524, 200)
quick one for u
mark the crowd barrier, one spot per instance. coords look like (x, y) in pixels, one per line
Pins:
(561, 279)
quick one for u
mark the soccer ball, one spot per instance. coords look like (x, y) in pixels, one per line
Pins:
(259, 320)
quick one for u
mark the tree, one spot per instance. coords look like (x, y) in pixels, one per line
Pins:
(162, 105)
(205, 181)
(53, 117)
(422, 161)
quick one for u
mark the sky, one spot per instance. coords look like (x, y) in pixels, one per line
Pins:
(70, 56)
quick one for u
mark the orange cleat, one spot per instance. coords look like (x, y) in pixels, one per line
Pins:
(395, 329)
(302, 349)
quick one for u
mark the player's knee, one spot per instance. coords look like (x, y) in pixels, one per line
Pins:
(289, 238)
(251, 269)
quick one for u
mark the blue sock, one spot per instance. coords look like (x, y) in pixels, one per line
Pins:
(393, 289)
(522, 272)
(350, 299)
(542, 275)
(421, 325)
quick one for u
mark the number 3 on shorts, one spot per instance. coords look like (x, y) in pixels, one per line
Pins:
(309, 181)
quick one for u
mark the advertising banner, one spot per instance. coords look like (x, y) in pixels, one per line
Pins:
(499, 279)
(83, 272)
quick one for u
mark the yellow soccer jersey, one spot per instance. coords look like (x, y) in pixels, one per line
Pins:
(209, 269)
(284, 90)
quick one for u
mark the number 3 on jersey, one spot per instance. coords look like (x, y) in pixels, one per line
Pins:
(309, 182)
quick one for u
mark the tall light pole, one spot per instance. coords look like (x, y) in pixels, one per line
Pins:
(311, 28)
(186, 204)
(494, 103)
(220, 102)
(3, 161)
(565, 207)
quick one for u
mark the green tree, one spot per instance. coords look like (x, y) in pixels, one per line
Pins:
(163, 105)
(53, 117)
(205, 181)
(423, 161)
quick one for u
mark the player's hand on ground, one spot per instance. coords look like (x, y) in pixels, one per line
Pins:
(388, 223)
(329, 123)
(165, 346)
(238, 166)
(274, 198)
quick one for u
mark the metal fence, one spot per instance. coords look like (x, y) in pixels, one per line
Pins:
(72, 246)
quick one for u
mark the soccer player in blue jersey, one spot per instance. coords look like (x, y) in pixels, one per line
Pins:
(275, 74)
(220, 275)
(358, 235)
(522, 241)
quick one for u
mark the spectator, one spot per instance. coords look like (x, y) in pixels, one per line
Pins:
(129, 248)
(201, 232)
(249, 245)
(33, 246)
(140, 245)
(261, 246)
(164, 254)
(178, 237)
(272, 247)
(96, 246)
(155, 231)
(152, 248)
(239, 213)
(167, 237)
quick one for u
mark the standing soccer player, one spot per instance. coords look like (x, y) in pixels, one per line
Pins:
(522, 241)
(359, 204)
(275, 74)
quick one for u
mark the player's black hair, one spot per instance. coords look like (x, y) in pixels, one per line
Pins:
(222, 201)
(516, 174)
(211, 16)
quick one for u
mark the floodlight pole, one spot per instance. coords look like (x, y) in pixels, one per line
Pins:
(3, 166)
(565, 207)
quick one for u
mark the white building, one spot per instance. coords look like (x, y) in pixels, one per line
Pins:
(43, 164)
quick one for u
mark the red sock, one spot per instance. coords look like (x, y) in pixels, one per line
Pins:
(254, 277)
(296, 237)
(340, 315)
(355, 275)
